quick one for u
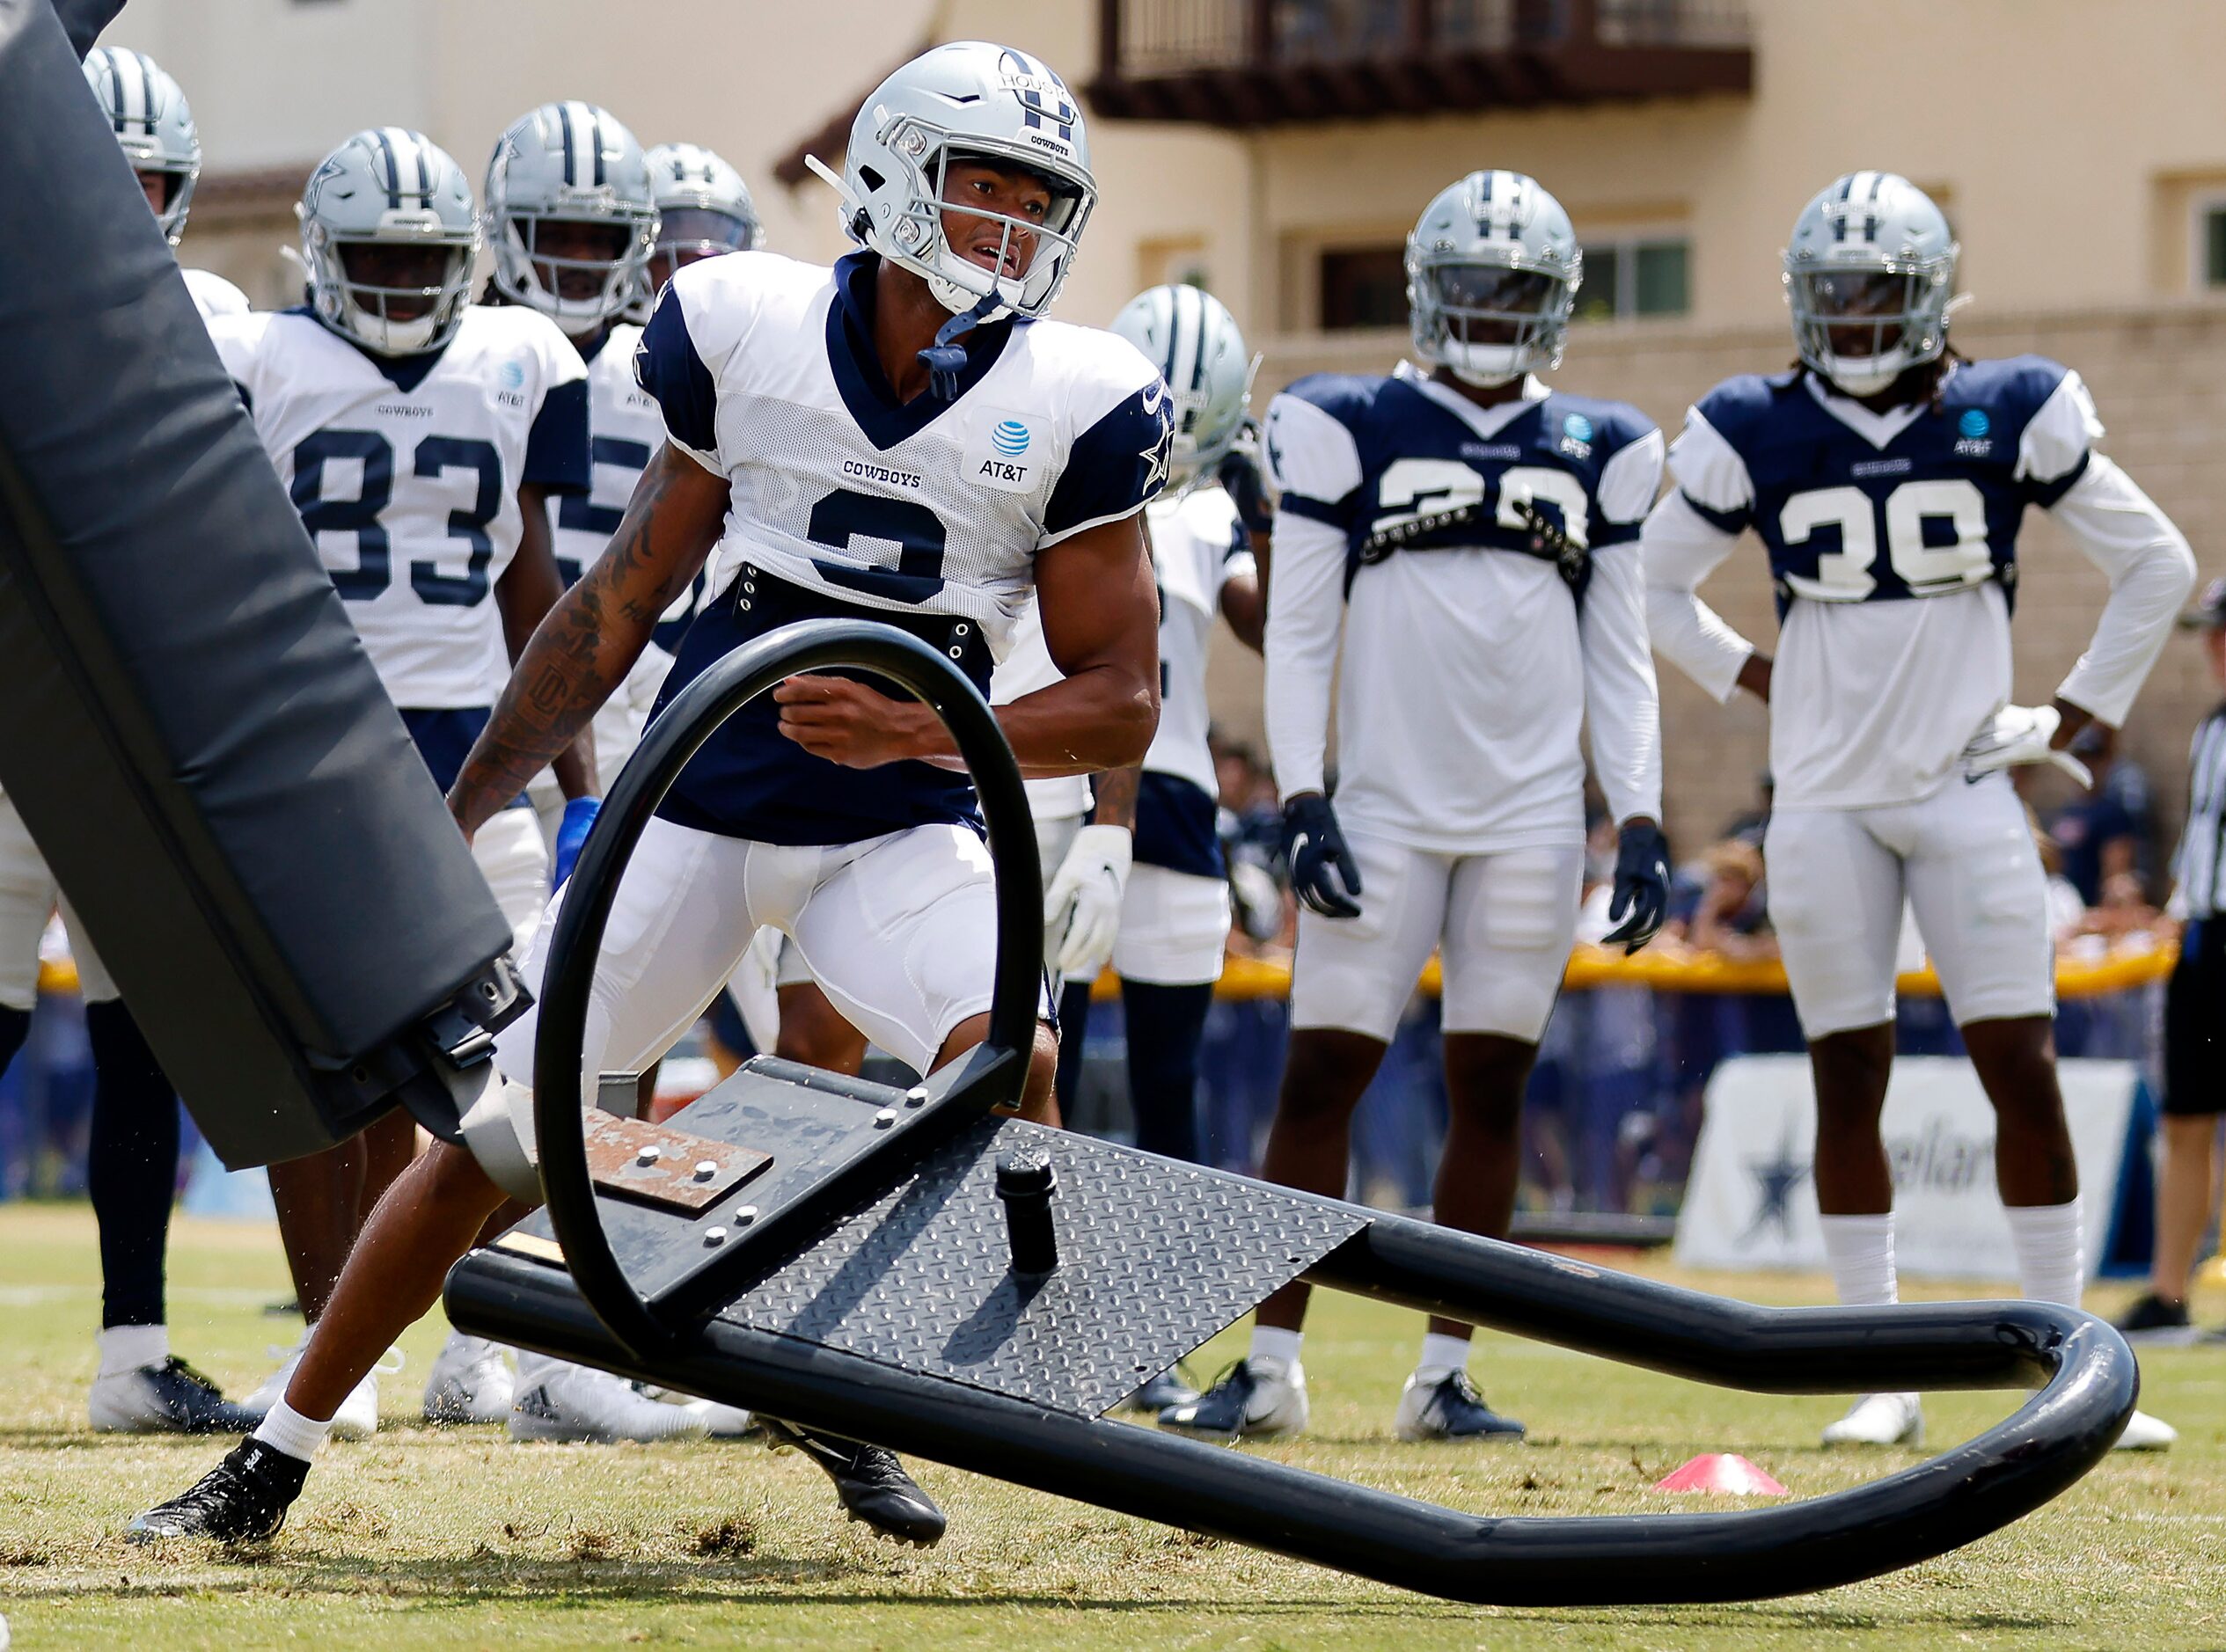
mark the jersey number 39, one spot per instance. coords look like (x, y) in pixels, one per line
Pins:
(1844, 575)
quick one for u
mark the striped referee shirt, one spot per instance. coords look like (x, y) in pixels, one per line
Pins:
(2202, 846)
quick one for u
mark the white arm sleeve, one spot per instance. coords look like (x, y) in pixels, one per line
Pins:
(2151, 571)
(1680, 548)
(1306, 611)
(1630, 479)
(1623, 700)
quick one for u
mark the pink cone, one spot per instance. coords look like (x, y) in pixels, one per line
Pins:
(1721, 1472)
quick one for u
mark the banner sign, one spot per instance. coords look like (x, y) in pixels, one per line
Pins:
(1751, 1201)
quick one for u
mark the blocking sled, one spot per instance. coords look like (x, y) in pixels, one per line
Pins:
(908, 1266)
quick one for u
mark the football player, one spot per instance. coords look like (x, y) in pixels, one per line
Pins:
(420, 437)
(1473, 535)
(899, 438)
(572, 215)
(1888, 477)
(132, 1157)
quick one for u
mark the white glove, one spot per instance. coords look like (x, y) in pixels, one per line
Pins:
(2017, 735)
(1082, 911)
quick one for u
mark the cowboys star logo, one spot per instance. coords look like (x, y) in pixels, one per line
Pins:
(1157, 456)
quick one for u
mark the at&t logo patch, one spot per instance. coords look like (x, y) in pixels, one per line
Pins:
(1004, 451)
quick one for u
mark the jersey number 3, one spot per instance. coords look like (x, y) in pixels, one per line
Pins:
(374, 571)
(1844, 575)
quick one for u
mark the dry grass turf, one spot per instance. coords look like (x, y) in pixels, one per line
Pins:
(459, 1539)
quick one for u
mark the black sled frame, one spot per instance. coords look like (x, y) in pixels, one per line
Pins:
(876, 1262)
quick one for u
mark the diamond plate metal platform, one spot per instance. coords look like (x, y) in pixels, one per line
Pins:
(1154, 1257)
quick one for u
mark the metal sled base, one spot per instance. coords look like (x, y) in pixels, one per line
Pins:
(903, 1321)
(908, 1267)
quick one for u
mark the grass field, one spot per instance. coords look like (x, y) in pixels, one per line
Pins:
(458, 1539)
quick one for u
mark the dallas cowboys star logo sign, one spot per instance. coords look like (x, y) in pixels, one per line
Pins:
(1777, 1179)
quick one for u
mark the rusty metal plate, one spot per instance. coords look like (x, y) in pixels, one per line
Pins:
(669, 1169)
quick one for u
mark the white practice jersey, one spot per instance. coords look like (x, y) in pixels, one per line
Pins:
(1468, 666)
(407, 473)
(1027, 668)
(1194, 552)
(625, 431)
(765, 371)
(213, 296)
(1893, 542)
(929, 511)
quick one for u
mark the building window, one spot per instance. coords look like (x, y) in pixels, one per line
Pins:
(2210, 243)
(1363, 287)
(1634, 275)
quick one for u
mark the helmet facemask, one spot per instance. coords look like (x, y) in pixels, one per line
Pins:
(1488, 322)
(686, 234)
(178, 176)
(391, 316)
(1861, 326)
(1027, 259)
(579, 293)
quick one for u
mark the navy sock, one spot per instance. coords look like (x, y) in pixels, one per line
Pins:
(1165, 1025)
(132, 1166)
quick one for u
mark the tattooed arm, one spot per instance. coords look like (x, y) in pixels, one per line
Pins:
(528, 589)
(591, 638)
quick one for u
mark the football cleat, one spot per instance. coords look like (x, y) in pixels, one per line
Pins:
(872, 1484)
(575, 1403)
(1169, 1388)
(2154, 1321)
(2145, 1433)
(244, 1499)
(1879, 1420)
(1252, 1399)
(172, 1398)
(1451, 1409)
(470, 1382)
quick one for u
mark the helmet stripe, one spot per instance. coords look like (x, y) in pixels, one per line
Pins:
(571, 166)
(424, 175)
(393, 175)
(1167, 369)
(1198, 336)
(136, 99)
(595, 114)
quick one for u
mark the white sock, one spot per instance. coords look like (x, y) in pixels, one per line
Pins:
(1276, 1350)
(1441, 1356)
(1859, 1250)
(127, 1348)
(2050, 1266)
(288, 1430)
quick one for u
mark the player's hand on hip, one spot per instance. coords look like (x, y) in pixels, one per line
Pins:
(1083, 911)
(2018, 734)
(1641, 898)
(846, 723)
(571, 836)
(1320, 860)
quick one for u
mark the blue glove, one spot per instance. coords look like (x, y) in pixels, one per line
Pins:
(572, 832)
(1641, 885)
(1315, 846)
(1240, 478)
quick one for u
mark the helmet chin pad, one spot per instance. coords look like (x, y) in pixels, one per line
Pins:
(1486, 366)
(1852, 379)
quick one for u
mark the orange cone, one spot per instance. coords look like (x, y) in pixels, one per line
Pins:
(1724, 1473)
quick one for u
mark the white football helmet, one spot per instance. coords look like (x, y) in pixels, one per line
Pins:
(569, 162)
(1872, 260)
(967, 99)
(389, 187)
(153, 124)
(1492, 272)
(1200, 352)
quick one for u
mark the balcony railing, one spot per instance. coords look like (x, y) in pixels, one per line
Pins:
(1258, 62)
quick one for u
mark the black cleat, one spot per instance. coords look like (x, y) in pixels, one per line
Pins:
(2153, 1320)
(1171, 1387)
(244, 1499)
(172, 1398)
(1452, 1409)
(873, 1484)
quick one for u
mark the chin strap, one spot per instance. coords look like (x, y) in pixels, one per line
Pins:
(946, 358)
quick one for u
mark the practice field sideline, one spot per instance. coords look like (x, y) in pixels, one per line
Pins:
(460, 1539)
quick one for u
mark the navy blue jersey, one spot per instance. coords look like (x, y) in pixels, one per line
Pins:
(1934, 506)
(1435, 471)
